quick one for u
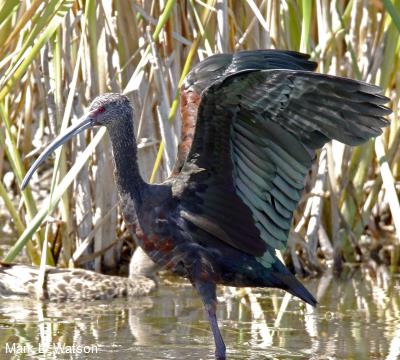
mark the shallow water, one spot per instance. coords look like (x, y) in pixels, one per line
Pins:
(357, 318)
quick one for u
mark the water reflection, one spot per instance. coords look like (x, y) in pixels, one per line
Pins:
(358, 317)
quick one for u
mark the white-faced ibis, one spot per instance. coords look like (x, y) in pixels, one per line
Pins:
(252, 122)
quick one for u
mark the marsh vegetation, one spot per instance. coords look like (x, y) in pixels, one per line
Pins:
(57, 56)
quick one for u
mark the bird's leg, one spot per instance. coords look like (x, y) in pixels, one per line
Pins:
(200, 270)
(207, 291)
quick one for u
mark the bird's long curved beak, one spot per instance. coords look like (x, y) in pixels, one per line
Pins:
(85, 122)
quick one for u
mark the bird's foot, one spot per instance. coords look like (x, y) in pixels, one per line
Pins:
(220, 354)
(220, 348)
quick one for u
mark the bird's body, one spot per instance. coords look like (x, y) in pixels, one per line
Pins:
(166, 231)
(251, 124)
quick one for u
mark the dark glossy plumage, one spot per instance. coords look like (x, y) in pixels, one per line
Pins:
(251, 124)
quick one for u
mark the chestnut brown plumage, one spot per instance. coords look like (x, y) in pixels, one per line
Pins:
(251, 124)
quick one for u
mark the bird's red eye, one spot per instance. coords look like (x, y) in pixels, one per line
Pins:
(101, 109)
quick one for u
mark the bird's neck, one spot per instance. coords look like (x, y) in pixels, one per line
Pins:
(127, 175)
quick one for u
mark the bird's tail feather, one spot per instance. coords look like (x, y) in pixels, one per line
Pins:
(282, 278)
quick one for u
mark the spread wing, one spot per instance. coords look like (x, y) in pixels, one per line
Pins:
(215, 67)
(255, 139)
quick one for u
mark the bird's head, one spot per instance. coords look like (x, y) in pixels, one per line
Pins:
(106, 110)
